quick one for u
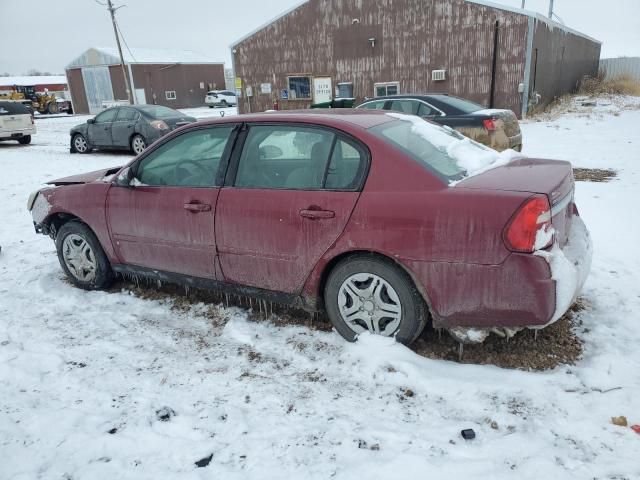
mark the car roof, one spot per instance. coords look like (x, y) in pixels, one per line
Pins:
(330, 117)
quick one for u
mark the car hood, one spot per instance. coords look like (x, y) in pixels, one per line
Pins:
(97, 175)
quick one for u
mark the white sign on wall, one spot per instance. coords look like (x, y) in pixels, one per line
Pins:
(249, 91)
(322, 90)
(265, 88)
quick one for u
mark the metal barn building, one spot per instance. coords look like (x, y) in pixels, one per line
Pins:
(498, 56)
(175, 78)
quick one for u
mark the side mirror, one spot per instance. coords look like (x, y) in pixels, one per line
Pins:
(91, 120)
(124, 178)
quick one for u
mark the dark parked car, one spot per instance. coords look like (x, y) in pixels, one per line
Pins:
(495, 128)
(131, 128)
(362, 213)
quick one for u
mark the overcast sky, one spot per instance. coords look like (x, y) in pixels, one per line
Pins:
(47, 42)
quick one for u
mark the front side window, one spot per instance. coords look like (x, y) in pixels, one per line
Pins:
(374, 105)
(426, 111)
(288, 157)
(106, 116)
(299, 88)
(190, 160)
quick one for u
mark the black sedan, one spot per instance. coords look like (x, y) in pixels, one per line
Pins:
(495, 128)
(130, 127)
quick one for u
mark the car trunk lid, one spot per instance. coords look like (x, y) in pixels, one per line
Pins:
(177, 122)
(549, 177)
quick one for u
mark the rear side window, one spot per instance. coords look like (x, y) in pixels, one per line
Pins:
(190, 160)
(285, 157)
(13, 108)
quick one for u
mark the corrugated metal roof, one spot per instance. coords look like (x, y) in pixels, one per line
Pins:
(499, 6)
(536, 15)
(96, 56)
(33, 80)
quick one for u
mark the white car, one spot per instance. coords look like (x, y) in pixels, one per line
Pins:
(16, 122)
(220, 98)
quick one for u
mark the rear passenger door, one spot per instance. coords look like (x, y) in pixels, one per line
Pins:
(289, 194)
(124, 127)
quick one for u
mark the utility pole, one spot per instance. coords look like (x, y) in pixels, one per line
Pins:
(523, 2)
(551, 9)
(127, 80)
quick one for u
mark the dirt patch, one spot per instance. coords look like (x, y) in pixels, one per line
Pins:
(594, 174)
(555, 345)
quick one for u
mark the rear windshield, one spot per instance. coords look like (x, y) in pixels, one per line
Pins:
(430, 145)
(158, 111)
(13, 108)
(465, 106)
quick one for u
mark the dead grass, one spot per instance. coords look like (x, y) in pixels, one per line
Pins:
(593, 174)
(599, 85)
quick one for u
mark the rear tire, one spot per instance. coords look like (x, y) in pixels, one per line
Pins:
(365, 292)
(137, 144)
(224, 104)
(26, 140)
(82, 258)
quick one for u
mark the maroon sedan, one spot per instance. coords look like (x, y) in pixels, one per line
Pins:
(384, 220)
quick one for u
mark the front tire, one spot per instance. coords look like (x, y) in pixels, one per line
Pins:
(26, 140)
(366, 293)
(52, 108)
(82, 257)
(80, 143)
(138, 144)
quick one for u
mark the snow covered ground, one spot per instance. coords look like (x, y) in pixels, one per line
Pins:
(82, 374)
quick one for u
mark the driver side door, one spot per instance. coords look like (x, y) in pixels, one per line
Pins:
(99, 132)
(165, 220)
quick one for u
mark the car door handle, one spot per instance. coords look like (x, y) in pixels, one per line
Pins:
(197, 207)
(317, 214)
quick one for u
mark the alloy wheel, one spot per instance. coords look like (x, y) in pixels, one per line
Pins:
(138, 145)
(80, 144)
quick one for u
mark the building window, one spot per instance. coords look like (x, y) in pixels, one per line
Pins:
(299, 88)
(386, 88)
(170, 95)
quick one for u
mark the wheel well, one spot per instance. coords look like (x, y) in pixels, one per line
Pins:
(334, 261)
(57, 220)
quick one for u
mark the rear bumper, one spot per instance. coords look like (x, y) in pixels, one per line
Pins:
(16, 134)
(570, 266)
(525, 291)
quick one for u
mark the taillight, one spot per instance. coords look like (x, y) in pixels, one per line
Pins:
(159, 125)
(489, 124)
(533, 218)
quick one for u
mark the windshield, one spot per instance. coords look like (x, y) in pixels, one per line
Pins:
(158, 111)
(465, 106)
(442, 150)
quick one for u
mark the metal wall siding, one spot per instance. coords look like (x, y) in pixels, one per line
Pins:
(184, 79)
(118, 82)
(417, 36)
(561, 61)
(76, 87)
(616, 67)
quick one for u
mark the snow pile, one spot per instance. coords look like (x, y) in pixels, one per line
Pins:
(569, 266)
(472, 157)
